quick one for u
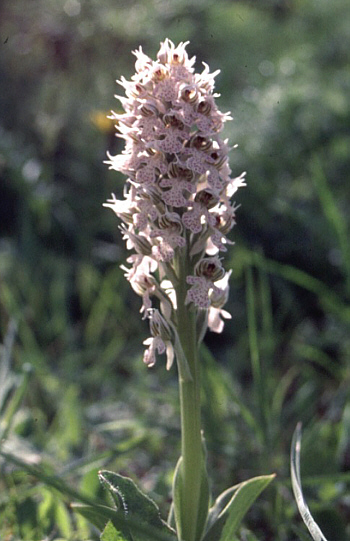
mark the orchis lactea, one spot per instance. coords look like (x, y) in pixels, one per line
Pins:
(176, 217)
(177, 197)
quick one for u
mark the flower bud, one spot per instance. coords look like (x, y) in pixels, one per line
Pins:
(163, 53)
(178, 55)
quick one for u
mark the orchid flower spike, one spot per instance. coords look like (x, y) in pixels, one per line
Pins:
(178, 189)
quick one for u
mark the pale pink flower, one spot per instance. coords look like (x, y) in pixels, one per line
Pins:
(178, 187)
(160, 341)
(141, 279)
(199, 292)
(208, 270)
(155, 344)
(218, 299)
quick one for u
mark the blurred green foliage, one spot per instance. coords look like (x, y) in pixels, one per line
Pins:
(75, 395)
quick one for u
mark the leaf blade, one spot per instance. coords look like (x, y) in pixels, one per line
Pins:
(303, 508)
(226, 517)
(138, 510)
(110, 533)
(241, 502)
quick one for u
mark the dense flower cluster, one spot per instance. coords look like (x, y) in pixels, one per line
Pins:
(177, 197)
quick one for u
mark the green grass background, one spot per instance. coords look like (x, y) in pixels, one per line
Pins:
(74, 393)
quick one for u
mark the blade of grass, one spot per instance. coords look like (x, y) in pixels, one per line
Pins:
(95, 506)
(332, 213)
(228, 385)
(266, 314)
(6, 352)
(327, 297)
(259, 380)
(14, 403)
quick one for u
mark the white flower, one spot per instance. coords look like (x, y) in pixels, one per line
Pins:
(160, 341)
(218, 299)
(178, 186)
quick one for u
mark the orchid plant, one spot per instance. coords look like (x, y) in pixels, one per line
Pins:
(175, 218)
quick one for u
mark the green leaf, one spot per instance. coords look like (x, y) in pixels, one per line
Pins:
(8, 414)
(99, 515)
(241, 503)
(177, 497)
(111, 534)
(304, 510)
(327, 297)
(53, 513)
(138, 510)
(49, 480)
(335, 217)
(203, 502)
(224, 523)
(219, 505)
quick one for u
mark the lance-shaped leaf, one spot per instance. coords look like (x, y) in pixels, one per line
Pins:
(203, 503)
(304, 511)
(111, 534)
(100, 515)
(225, 518)
(140, 512)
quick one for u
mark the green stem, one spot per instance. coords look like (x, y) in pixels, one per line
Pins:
(191, 442)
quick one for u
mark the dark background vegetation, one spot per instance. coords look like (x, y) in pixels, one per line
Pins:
(75, 395)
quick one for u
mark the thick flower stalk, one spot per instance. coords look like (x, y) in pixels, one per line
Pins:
(176, 215)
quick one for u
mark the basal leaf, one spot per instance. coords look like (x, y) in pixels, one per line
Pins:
(304, 510)
(49, 480)
(229, 519)
(99, 515)
(110, 533)
(220, 504)
(140, 512)
(203, 503)
(241, 503)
